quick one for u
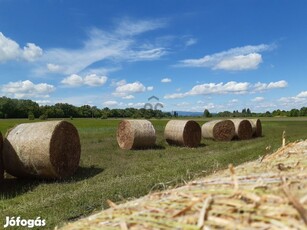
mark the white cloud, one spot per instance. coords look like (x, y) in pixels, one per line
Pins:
(272, 85)
(150, 88)
(94, 80)
(166, 80)
(110, 103)
(128, 27)
(297, 101)
(302, 94)
(129, 88)
(31, 52)
(10, 50)
(234, 101)
(75, 80)
(191, 41)
(27, 89)
(240, 58)
(258, 99)
(231, 87)
(128, 97)
(119, 44)
(53, 68)
(240, 62)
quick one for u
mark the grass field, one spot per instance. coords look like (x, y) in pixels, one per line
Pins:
(107, 172)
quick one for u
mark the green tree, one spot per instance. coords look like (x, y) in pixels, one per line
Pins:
(207, 113)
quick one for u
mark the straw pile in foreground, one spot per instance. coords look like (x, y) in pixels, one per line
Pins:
(219, 130)
(48, 149)
(136, 134)
(243, 129)
(270, 193)
(256, 127)
(183, 133)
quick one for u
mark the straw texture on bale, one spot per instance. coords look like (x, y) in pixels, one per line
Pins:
(243, 129)
(48, 149)
(136, 134)
(269, 193)
(1, 161)
(219, 130)
(256, 127)
(183, 133)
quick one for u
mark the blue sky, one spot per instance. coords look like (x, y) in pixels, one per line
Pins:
(220, 55)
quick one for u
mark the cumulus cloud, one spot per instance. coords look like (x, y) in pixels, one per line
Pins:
(31, 52)
(272, 85)
(27, 89)
(231, 87)
(126, 90)
(240, 62)
(235, 59)
(129, 88)
(302, 94)
(295, 101)
(93, 80)
(166, 80)
(10, 50)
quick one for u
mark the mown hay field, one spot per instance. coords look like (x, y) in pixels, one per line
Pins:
(108, 172)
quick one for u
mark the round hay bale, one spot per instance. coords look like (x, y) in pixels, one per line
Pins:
(1, 161)
(183, 133)
(256, 127)
(48, 149)
(136, 134)
(243, 129)
(219, 130)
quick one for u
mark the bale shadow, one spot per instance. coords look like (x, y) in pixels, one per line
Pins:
(12, 187)
(83, 173)
(156, 147)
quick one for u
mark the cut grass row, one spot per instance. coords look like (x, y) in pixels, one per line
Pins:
(107, 172)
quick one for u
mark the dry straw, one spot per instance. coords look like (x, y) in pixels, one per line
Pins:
(256, 127)
(219, 130)
(48, 149)
(267, 194)
(243, 129)
(136, 134)
(183, 133)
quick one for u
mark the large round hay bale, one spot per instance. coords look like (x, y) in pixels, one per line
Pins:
(136, 134)
(183, 133)
(256, 127)
(1, 161)
(243, 129)
(48, 149)
(219, 130)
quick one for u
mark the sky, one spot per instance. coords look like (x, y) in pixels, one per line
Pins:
(191, 54)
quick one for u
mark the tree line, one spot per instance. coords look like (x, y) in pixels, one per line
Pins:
(19, 108)
(247, 113)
